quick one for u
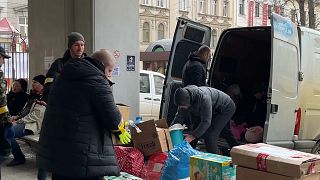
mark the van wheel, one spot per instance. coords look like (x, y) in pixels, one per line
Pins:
(316, 148)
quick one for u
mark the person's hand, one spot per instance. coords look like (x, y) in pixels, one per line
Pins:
(41, 103)
(123, 134)
(12, 119)
(189, 138)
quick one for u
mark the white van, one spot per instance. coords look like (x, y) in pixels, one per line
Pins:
(285, 57)
(151, 86)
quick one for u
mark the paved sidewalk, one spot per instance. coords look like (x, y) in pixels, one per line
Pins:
(27, 171)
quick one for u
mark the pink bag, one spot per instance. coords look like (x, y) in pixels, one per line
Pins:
(130, 160)
(254, 134)
(238, 130)
(152, 169)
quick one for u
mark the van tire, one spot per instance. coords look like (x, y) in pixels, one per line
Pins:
(316, 148)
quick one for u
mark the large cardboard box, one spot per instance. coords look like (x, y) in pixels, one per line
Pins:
(152, 139)
(252, 174)
(275, 159)
(211, 167)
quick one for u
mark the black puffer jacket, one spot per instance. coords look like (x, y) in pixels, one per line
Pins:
(194, 72)
(75, 138)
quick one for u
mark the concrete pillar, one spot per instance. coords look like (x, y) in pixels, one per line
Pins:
(112, 25)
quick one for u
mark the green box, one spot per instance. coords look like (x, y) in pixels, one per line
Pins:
(211, 167)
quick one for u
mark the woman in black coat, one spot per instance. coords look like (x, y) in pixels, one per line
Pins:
(17, 97)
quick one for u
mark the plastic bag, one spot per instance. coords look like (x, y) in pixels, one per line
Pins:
(177, 165)
(130, 159)
(152, 169)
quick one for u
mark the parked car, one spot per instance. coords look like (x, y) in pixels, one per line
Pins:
(151, 85)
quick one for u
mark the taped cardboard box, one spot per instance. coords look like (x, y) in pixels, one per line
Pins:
(275, 159)
(211, 167)
(252, 174)
(151, 140)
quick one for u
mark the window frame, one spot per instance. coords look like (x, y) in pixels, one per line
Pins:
(146, 37)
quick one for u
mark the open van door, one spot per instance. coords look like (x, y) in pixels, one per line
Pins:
(188, 37)
(283, 85)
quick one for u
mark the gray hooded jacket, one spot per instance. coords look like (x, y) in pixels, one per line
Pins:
(206, 102)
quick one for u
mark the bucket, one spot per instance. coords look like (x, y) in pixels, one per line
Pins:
(176, 133)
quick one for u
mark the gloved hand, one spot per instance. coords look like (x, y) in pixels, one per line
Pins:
(123, 134)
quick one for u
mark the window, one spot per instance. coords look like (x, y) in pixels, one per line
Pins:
(214, 39)
(241, 7)
(201, 6)
(160, 31)
(158, 84)
(225, 8)
(146, 2)
(183, 5)
(23, 25)
(281, 10)
(146, 32)
(213, 7)
(144, 83)
(160, 3)
(257, 9)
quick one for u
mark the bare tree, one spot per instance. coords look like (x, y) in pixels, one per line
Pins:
(312, 19)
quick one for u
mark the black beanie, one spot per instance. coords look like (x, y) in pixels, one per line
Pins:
(24, 84)
(182, 97)
(74, 37)
(40, 79)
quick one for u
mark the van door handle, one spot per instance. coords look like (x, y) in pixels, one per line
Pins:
(157, 99)
(147, 98)
(274, 108)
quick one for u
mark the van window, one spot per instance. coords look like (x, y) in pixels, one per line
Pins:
(144, 83)
(158, 83)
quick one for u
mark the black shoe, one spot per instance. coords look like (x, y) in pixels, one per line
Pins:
(16, 162)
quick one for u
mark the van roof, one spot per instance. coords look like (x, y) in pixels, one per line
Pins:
(305, 29)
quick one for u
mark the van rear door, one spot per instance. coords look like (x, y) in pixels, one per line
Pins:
(188, 37)
(283, 85)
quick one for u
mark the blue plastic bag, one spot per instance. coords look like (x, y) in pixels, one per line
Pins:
(177, 165)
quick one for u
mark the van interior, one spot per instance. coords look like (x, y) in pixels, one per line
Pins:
(241, 68)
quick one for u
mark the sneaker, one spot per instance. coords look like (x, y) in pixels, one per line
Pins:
(16, 162)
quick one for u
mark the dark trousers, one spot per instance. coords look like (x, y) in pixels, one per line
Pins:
(59, 177)
(19, 131)
(220, 125)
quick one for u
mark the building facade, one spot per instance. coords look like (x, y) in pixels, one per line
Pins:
(158, 20)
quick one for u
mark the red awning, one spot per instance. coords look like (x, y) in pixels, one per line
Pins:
(6, 28)
(154, 56)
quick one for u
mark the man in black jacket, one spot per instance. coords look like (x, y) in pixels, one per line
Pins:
(209, 109)
(194, 71)
(76, 44)
(75, 139)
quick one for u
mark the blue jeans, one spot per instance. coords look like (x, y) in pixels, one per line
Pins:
(19, 131)
(42, 174)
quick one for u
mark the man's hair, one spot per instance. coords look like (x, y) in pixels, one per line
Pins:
(104, 56)
(203, 49)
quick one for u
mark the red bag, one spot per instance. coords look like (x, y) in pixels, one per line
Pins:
(152, 169)
(130, 160)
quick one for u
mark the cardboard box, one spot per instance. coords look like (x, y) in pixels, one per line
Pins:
(252, 174)
(151, 140)
(125, 111)
(211, 167)
(275, 159)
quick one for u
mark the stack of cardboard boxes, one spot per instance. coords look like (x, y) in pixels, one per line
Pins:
(266, 162)
(154, 136)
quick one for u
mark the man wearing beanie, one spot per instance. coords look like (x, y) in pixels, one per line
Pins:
(80, 116)
(22, 125)
(76, 44)
(209, 110)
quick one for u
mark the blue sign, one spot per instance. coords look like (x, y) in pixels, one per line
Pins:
(282, 27)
